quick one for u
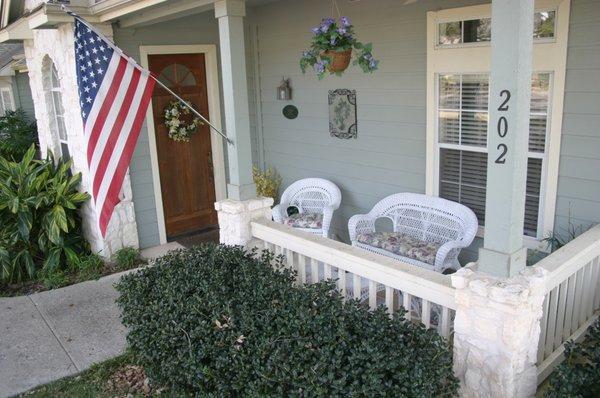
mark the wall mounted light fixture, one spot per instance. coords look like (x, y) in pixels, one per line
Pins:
(284, 91)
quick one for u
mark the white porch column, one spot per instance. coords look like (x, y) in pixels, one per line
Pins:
(503, 253)
(235, 96)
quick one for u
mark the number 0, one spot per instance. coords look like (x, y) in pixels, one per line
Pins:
(502, 126)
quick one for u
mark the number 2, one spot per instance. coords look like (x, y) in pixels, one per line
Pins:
(504, 105)
(501, 159)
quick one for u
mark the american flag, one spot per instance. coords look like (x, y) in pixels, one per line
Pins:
(114, 94)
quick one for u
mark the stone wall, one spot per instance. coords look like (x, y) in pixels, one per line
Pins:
(56, 46)
(496, 332)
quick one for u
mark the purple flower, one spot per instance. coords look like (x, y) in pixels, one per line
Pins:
(373, 63)
(319, 67)
(324, 28)
(345, 21)
(342, 31)
(315, 30)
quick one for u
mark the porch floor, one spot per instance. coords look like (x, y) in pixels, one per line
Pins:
(211, 236)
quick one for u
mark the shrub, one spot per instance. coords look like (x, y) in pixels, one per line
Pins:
(579, 374)
(89, 267)
(216, 321)
(16, 135)
(127, 258)
(39, 204)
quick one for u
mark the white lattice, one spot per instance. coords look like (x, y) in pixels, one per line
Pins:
(310, 195)
(426, 218)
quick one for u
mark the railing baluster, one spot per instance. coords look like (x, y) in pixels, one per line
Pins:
(543, 325)
(289, 258)
(560, 319)
(389, 299)
(406, 303)
(327, 271)
(551, 326)
(372, 294)
(356, 286)
(426, 313)
(342, 281)
(301, 269)
(588, 310)
(444, 323)
(578, 299)
(314, 270)
(570, 305)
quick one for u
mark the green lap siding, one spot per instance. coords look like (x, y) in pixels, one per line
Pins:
(578, 198)
(22, 94)
(389, 154)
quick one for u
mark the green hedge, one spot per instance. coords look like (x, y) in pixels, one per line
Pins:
(215, 321)
(579, 374)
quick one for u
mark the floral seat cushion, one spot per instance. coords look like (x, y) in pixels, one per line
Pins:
(305, 220)
(401, 245)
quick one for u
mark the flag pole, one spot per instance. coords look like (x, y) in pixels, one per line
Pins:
(120, 52)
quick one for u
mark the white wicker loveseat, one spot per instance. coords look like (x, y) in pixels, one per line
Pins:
(315, 198)
(427, 231)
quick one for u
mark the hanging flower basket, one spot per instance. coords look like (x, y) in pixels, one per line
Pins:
(338, 60)
(331, 49)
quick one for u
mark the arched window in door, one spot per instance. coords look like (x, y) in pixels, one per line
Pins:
(177, 75)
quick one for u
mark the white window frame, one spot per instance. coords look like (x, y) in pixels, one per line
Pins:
(10, 106)
(487, 43)
(549, 56)
(55, 115)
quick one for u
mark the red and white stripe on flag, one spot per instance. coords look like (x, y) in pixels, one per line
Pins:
(114, 95)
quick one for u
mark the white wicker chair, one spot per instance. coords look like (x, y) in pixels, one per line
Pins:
(426, 218)
(312, 196)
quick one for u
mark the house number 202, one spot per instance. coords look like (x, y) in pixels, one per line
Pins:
(502, 127)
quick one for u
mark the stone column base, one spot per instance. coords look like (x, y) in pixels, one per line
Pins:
(496, 332)
(235, 217)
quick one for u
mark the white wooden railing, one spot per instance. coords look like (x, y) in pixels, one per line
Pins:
(572, 297)
(375, 278)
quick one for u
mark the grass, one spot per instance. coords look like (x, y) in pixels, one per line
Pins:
(104, 380)
(90, 383)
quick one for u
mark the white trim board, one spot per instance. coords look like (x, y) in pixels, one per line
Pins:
(214, 110)
(548, 56)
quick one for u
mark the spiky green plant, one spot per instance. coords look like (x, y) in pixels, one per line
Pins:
(41, 227)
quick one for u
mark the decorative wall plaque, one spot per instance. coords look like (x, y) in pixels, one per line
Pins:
(342, 114)
(290, 111)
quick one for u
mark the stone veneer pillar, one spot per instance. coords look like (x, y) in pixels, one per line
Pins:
(56, 45)
(235, 217)
(496, 332)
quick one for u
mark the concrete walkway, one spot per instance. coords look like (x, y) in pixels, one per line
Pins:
(47, 336)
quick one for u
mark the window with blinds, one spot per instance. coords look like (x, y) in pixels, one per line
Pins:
(462, 118)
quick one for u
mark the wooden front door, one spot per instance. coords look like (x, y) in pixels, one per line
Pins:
(186, 170)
